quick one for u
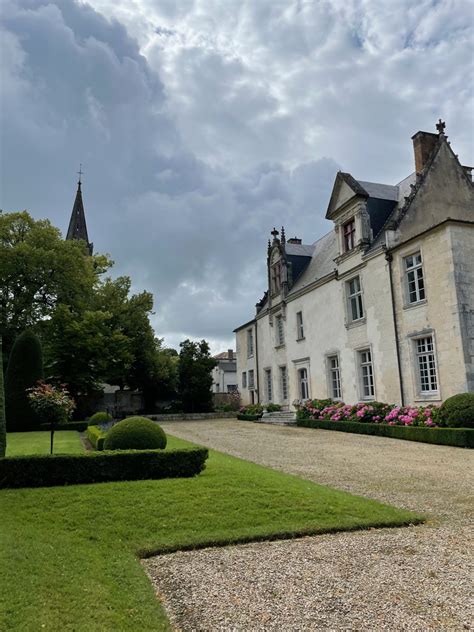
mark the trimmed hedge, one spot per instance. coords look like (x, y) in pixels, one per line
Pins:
(135, 433)
(101, 417)
(458, 437)
(243, 417)
(96, 437)
(458, 411)
(78, 426)
(100, 467)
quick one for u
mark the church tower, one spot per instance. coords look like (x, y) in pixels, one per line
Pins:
(77, 224)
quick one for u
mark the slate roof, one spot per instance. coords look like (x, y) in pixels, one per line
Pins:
(380, 191)
(77, 224)
(299, 250)
(321, 264)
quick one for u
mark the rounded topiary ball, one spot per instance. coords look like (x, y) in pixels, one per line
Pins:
(135, 433)
(458, 411)
(99, 418)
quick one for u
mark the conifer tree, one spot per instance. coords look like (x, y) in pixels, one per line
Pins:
(25, 368)
(3, 425)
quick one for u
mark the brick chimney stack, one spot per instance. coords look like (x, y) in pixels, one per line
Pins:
(230, 354)
(294, 240)
(423, 146)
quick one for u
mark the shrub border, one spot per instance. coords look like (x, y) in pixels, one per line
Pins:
(96, 437)
(243, 417)
(78, 426)
(457, 437)
(100, 467)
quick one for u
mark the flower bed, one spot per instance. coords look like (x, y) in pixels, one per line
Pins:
(413, 423)
(373, 412)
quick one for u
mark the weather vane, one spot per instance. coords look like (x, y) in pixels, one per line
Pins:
(80, 172)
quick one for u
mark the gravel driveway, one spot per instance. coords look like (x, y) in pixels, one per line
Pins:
(417, 578)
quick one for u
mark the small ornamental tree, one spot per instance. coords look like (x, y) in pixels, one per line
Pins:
(3, 425)
(194, 374)
(25, 369)
(52, 404)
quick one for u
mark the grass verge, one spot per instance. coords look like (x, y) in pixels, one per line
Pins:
(69, 556)
(65, 442)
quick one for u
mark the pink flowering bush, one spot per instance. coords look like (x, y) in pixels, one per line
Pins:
(52, 403)
(369, 412)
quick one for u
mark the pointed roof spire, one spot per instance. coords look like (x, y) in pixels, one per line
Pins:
(77, 224)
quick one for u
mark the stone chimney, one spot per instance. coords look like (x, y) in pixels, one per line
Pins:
(423, 146)
(230, 354)
(294, 240)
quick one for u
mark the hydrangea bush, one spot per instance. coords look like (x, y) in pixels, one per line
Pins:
(370, 412)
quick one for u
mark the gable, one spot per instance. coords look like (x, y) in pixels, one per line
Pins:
(345, 188)
(444, 193)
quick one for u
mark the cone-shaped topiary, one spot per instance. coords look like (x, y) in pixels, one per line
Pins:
(135, 433)
(3, 425)
(25, 368)
(458, 411)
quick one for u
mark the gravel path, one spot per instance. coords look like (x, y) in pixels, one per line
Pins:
(417, 578)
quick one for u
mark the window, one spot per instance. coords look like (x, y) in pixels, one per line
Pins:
(426, 361)
(354, 295)
(284, 383)
(280, 331)
(414, 278)
(249, 342)
(268, 385)
(299, 326)
(334, 377)
(303, 382)
(366, 374)
(349, 230)
(275, 273)
(244, 379)
(251, 380)
(232, 388)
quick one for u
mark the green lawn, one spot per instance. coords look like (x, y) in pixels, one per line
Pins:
(65, 442)
(69, 555)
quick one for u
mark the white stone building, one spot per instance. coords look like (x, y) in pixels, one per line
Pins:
(382, 306)
(224, 374)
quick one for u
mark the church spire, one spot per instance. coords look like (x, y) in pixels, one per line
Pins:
(77, 224)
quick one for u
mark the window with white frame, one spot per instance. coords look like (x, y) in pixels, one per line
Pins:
(244, 379)
(280, 330)
(354, 299)
(426, 364)
(249, 342)
(299, 326)
(284, 383)
(334, 377)
(303, 383)
(268, 385)
(366, 374)
(414, 278)
(251, 380)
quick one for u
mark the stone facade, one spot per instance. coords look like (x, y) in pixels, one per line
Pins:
(382, 307)
(224, 374)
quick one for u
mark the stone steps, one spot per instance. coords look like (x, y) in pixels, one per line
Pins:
(282, 418)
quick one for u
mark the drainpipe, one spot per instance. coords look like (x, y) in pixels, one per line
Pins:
(389, 258)
(256, 362)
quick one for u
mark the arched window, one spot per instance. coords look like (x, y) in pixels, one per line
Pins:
(303, 382)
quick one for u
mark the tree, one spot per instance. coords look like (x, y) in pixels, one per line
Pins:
(195, 379)
(39, 270)
(3, 425)
(24, 370)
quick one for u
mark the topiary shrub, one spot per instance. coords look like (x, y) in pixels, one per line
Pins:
(99, 418)
(24, 370)
(458, 411)
(135, 433)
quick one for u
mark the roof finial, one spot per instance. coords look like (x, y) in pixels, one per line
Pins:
(283, 238)
(80, 172)
(440, 126)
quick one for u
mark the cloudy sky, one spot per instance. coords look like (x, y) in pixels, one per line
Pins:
(201, 124)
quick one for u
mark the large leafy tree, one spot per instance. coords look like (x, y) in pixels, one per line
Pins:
(38, 271)
(93, 330)
(195, 379)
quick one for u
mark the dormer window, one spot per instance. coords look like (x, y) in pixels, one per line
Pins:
(275, 273)
(349, 235)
